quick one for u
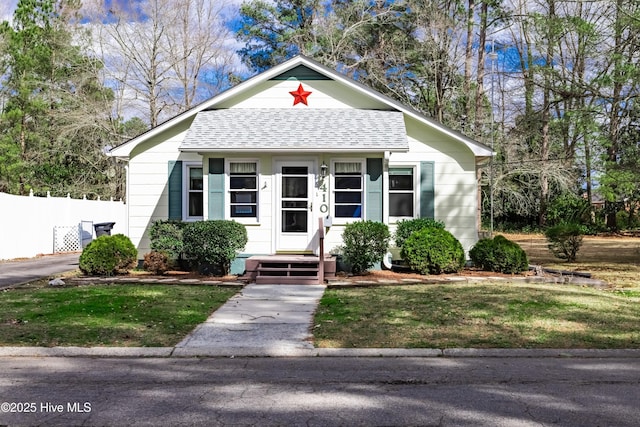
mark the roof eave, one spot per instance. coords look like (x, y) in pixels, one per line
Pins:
(381, 150)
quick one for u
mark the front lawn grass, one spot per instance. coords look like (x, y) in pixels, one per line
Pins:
(486, 315)
(127, 315)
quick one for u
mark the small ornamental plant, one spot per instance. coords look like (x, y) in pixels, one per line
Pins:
(500, 255)
(156, 262)
(108, 256)
(406, 227)
(433, 250)
(365, 243)
(213, 244)
(166, 236)
(565, 240)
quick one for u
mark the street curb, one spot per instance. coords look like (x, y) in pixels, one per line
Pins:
(182, 352)
(85, 351)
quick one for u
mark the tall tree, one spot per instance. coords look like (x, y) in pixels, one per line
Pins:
(621, 86)
(56, 107)
(275, 31)
(163, 56)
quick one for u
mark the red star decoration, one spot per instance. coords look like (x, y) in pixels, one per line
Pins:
(300, 95)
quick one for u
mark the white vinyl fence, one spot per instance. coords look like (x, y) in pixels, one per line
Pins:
(31, 225)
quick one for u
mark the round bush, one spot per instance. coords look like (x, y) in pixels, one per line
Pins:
(433, 251)
(213, 243)
(406, 227)
(108, 256)
(156, 262)
(499, 254)
(365, 243)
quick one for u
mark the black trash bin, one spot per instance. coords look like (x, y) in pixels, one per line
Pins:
(103, 228)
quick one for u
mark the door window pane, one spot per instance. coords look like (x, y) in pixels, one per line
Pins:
(294, 221)
(294, 170)
(294, 186)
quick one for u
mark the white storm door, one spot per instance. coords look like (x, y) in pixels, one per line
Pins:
(294, 206)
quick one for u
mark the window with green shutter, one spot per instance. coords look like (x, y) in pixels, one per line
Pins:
(402, 195)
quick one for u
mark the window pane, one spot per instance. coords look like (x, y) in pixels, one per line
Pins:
(401, 182)
(242, 182)
(294, 186)
(348, 197)
(243, 197)
(348, 211)
(243, 211)
(302, 204)
(242, 168)
(351, 168)
(294, 170)
(401, 204)
(195, 178)
(348, 182)
(195, 204)
(294, 221)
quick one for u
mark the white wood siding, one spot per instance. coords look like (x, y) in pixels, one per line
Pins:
(324, 94)
(454, 177)
(147, 187)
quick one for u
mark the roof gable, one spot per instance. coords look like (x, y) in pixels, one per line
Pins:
(301, 72)
(299, 67)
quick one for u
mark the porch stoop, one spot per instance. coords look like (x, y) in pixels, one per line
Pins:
(288, 269)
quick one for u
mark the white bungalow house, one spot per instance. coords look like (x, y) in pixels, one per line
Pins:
(294, 144)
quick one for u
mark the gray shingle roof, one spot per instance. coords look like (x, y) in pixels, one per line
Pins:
(304, 129)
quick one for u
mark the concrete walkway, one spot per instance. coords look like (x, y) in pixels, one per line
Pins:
(261, 320)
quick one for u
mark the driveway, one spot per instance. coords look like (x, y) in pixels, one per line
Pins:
(17, 272)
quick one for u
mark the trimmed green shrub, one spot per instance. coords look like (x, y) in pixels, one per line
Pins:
(213, 243)
(565, 240)
(365, 243)
(433, 251)
(406, 227)
(166, 236)
(108, 256)
(156, 262)
(499, 254)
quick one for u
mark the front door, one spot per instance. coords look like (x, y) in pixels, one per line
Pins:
(294, 206)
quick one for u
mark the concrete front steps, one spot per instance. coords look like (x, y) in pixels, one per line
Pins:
(289, 269)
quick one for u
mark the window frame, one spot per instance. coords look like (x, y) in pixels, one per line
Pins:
(228, 190)
(332, 184)
(415, 187)
(186, 190)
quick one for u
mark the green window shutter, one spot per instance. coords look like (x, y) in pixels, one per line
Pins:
(427, 192)
(373, 198)
(216, 188)
(175, 189)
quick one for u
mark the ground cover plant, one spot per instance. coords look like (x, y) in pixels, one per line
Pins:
(105, 314)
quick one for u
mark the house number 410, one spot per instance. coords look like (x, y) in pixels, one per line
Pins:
(324, 208)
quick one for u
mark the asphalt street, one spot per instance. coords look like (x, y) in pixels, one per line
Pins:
(22, 271)
(320, 391)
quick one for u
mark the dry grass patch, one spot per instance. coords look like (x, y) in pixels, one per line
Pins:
(613, 259)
